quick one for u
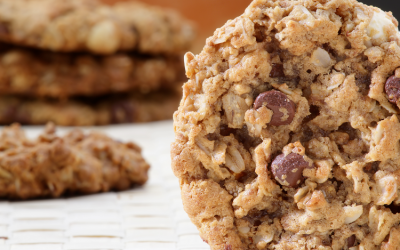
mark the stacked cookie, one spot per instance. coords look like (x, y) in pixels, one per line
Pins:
(85, 63)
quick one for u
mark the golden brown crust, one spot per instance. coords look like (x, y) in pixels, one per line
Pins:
(209, 206)
(104, 110)
(76, 163)
(93, 26)
(38, 73)
(332, 59)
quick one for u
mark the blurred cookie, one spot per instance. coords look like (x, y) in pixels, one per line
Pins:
(104, 110)
(31, 72)
(287, 136)
(77, 163)
(92, 26)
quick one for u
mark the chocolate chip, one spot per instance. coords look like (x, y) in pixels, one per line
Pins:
(283, 108)
(351, 241)
(277, 70)
(288, 170)
(392, 88)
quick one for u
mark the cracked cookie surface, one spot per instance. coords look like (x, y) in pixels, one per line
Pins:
(77, 163)
(287, 135)
(92, 26)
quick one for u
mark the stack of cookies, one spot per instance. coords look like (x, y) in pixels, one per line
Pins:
(86, 63)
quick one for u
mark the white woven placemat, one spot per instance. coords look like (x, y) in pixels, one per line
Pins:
(151, 217)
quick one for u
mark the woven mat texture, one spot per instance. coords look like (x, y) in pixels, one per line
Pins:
(151, 217)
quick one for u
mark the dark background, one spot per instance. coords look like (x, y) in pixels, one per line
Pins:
(386, 5)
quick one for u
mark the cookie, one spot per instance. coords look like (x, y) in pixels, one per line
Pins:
(287, 136)
(77, 163)
(93, 26)
(104, 110)
(39, 73)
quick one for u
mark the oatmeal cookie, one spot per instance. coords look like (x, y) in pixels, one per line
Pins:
(92, 26)
(39, 73)
(104, 110)
(287, 136)
(76, 163)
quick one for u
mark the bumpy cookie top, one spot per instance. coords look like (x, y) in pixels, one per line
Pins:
(77, 25)
(77, 163)
(287, 136)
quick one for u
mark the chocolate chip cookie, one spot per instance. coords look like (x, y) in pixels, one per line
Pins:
(287, 136)
(92, 26)
(89, 111)
(31, 72)
(77, 163)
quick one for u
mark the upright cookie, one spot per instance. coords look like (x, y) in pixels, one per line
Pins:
(287, 136)
(92, 26)
(29, 72)
(76, 163)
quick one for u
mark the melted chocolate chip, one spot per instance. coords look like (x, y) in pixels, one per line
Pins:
(283, 108)
(392, 88)
(277, 70)
(288, 170)
(351, 241)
